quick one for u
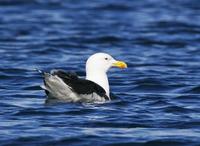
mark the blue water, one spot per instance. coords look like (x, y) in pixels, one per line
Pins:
(158, 95)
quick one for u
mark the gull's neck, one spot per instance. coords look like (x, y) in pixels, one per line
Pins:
(99, 78)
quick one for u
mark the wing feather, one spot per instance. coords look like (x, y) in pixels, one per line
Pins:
(78, 85)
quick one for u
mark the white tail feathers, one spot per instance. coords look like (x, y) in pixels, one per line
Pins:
(40, 71)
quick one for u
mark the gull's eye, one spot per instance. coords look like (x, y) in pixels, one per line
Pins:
(106, 58)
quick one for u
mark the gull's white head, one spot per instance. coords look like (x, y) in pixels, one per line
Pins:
(102, 62)
(96, 67)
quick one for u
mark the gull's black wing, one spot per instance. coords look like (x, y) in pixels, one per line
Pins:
(78, 85)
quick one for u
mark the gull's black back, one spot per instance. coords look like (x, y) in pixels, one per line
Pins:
(80, 86)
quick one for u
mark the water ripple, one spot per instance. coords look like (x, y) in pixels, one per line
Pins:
(156, 98)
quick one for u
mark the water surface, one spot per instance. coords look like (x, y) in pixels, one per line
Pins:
(158, 95)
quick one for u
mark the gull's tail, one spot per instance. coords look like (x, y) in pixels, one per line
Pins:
(39, 71)
(43, 73)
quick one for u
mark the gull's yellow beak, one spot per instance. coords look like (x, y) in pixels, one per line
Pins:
(120, 64)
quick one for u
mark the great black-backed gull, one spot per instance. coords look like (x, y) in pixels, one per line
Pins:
(67, 86)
